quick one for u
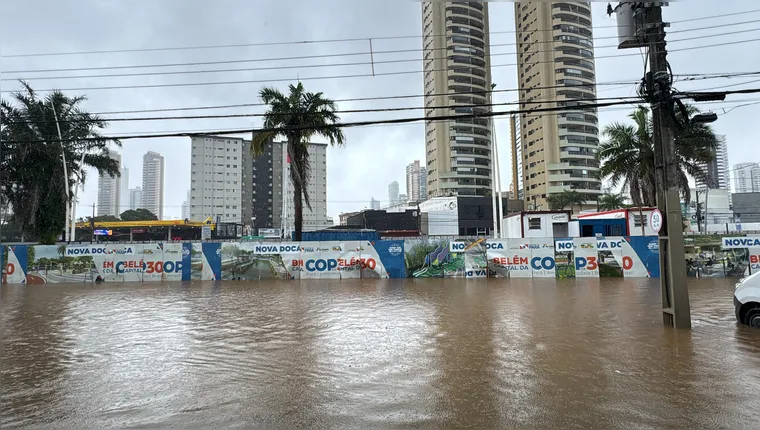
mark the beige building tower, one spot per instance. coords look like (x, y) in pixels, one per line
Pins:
(457, 76)
(556, 68)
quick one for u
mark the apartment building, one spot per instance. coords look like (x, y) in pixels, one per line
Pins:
(152, 197)
(109, 191)
(216, 178)
(556, 68)
(457, 79)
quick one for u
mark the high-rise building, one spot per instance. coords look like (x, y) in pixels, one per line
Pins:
(718, 176)
(374, 204)
(255, 191)
(457, 81)
(393, 191)
(152, 197)
(216, 178)
(135, 198)
(403, 199)
(556, 68)
(416, 182)
(109, 190)
(124, 190)
(746, 178)
(186, 207)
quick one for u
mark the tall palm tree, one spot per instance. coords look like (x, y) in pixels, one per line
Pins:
(610, 202)
(627, 155)
(298, 116)
(32, 167)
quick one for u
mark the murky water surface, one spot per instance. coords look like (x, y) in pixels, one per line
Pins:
(424, 353)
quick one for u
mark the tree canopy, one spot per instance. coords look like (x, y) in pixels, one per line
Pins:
(298, 116)
(627, 155)
(32, 173)
(138, 215)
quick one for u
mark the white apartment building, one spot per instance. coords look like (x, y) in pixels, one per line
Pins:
(746, 178)
(124, 190)
(186, 207)
(393, 191)
(135, 198)
(416, 182)
(718, 176)
(109, 191)
(152, 197)
(316, 218)
(216, 178)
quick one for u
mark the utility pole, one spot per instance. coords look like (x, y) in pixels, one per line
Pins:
(676, 310)
(642, 26)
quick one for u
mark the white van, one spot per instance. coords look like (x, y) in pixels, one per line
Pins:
(747, 300)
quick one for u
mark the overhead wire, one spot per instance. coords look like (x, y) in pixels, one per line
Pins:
(579, 106)
(308, 42)
(302, 57)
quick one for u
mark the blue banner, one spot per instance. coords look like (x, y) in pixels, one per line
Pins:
(212, 264)
(187, 261)
(391, 253)
(648, 250)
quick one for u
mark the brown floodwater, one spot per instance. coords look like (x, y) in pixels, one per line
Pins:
(375, 353)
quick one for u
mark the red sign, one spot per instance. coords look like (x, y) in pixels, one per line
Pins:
(139, 230)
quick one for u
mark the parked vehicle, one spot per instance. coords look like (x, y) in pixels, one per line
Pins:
(747, 300)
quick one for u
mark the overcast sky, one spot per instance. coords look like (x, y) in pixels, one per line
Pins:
(374, 156)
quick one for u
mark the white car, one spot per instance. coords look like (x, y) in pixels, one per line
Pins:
(747, 300)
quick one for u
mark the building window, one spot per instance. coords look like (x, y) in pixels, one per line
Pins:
(534, 223)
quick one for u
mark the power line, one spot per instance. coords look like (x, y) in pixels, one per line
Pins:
(309, 42)
(362, 99)
(195, 84)
(393, 121)
(397, 109)
(351, 111)
(345, 124)
(304, 57)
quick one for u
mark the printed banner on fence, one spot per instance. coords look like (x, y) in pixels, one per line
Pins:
(467, 259)
(518, 258)
(740, 242)
(610, 253)
(497, 251)
(586, 257)
(633, 265)
(542, 260)
(15, 268)
(647, 248)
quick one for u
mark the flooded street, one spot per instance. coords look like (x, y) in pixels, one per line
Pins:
(375, 353)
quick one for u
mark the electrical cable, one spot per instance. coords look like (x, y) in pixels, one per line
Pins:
(307, 42)
(364, 53)
(392, 121)
(196, 84)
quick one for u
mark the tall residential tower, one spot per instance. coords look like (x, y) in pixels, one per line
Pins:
(152, 197)
(109, 191)
(556, 68)
(457, 81)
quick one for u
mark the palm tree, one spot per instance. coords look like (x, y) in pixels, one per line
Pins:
(566, 198)
(610, 202)
(33, 180)
(297, 116)
(627, 155)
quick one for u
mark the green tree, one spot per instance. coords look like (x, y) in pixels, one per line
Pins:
(138, 215)
(627, 155)
(298, 116)
(32, 179)
(105, 218)
(61, 250)
(610, 202)
(567, 198)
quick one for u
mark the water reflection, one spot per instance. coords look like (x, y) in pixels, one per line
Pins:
(374, 353)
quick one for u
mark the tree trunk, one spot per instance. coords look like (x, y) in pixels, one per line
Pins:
(298, 209)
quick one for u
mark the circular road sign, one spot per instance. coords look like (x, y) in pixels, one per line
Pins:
(655, 220)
